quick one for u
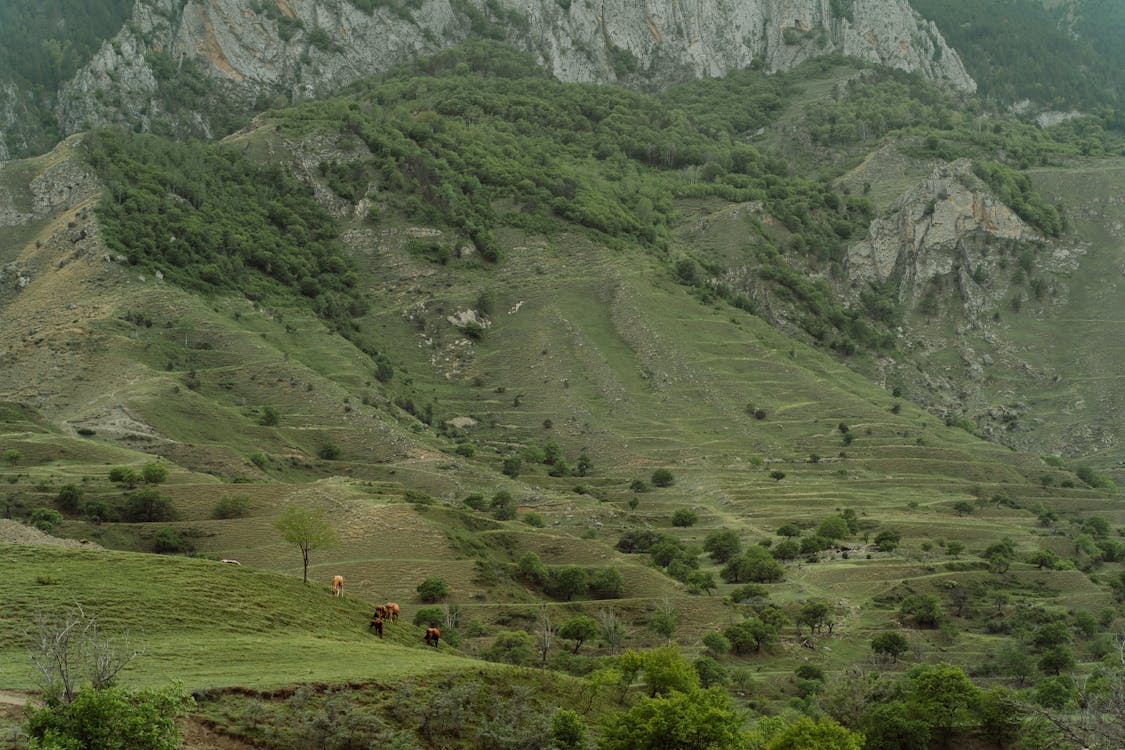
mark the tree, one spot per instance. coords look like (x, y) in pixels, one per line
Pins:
(12, 456)
(611, 628)
(887, 540)
(924, 609)
(834, 528)
(568, 582)
(889, 643)
(892, 725)
(698, 719)
(780, 733)
(943, 697)
(663, 478)
(722, 545)
(568, 731)
(666, 671)
(512, 647)
(68, 646)
(126, 476)
(684, 518)
(777, 475)
(307, 528)
(70, 498)
(154, 473)
(432, 590)
(665, 620)
(579, 629)
(755, 565)
(148, 506)
(789, 530)
(954, 549)
(607, 583)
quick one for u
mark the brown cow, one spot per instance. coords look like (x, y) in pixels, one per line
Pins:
(432, 636)
(377, 624)
(337, 585)
(380, 612)
(392, 611)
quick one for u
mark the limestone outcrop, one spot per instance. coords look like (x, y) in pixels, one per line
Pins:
(303, 48)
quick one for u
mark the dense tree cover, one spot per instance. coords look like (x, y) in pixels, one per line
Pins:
(210, 219)
(1021, 49)
(43, 42)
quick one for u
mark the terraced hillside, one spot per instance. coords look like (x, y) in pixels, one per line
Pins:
(586, 395)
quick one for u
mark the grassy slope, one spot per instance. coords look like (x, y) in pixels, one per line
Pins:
(626, 365)
(205, 623)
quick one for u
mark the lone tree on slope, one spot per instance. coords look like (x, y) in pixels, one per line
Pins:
(307, 528)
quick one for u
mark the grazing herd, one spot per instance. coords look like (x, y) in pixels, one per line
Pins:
(385, 613)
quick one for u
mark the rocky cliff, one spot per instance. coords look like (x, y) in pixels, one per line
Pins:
(948, 233)
(301, 48)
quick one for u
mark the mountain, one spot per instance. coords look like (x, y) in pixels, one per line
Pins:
(193, 66)
(811, 372)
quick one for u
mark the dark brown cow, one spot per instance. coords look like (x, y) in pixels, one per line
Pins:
(377, 624)
(380, 612)
(433, 635)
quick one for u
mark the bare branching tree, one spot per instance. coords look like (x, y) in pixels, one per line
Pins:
(612, 628)
(69, 646)
(545, 632)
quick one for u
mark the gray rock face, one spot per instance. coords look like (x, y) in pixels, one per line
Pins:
(946, 228)
(309, 47)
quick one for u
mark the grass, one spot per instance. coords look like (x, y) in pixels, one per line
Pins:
(628, 366)
(206, 623)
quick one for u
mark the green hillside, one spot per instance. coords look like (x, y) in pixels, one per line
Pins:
(575, 352)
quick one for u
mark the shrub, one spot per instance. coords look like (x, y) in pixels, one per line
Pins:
(269, 417)
(169, 541)
(112, 718)
(607, 583)
(535, 519)
(476, 501)
(684, 518)
(231, 506)
(468, 450)
(432, 590)
(70, 498)
(154, 473)
(45, 519)
(662, 478)
(329, 452)
(148, 505)
(429, 617)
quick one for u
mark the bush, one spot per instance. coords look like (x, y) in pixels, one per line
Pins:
(662, 478)
(146, 506)
(535, 519)
(45, 519)
(112, 718)
(429, 617)
(169, 541)
(70, 498)
(329, 452)
(231, 506)
(476, 501)
(154, 473)
(432, 590)
(684, 518)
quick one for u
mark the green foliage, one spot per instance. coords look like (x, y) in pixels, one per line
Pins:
(154, 473)
(429, 617)
(579, 629)
(170, 541)
(923, 609)
(12, 456)
(231, 506)
(567, 582)
(70, 498)
(512, 647)
(662, 478)
(684, 517)
(755, 565)
(432, 590)
(699, 719)
(112, 719)
(147, 506)
(1015, 190)
(210, 219)
(889, 643)
(568, 731)
(45, 519)
(1022, 50)
(307, 528)
(328, 452)
(803, 733)
(722, 544)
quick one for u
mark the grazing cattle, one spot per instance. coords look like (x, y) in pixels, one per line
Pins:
(432, 636)
(377, 624)
(337, 585)
(380, 612)
(392, 611)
